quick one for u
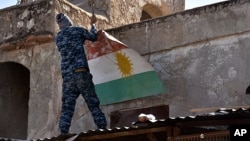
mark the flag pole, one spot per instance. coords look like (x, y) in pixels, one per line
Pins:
(92, 4)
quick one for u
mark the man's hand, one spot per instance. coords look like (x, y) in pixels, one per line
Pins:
(93, 19)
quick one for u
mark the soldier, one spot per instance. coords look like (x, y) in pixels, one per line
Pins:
(76, 75)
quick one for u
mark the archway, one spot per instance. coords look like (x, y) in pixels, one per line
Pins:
(14, 97)
(150, 11)
(145, 16)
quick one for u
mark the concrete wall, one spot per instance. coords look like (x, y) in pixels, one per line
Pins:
(20, 21)
(201, 56)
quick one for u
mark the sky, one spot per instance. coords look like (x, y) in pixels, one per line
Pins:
(188, 5)
(7, 3)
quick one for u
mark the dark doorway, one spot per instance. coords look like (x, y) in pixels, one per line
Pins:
(14, 97)
(248, 90)
(150, 11)
(145, 16)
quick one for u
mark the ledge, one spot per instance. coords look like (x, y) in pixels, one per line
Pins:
(29, 41)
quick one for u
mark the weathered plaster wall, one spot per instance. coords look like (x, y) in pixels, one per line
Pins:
(122, 12)
(45, 80)
(201, 55)
(19, 22)
(26, 38)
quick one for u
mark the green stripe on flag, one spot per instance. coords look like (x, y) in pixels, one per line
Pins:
(133, 87)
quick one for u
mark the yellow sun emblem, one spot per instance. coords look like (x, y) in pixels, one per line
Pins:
(124, 64)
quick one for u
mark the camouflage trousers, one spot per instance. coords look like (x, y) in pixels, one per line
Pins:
(74, 84)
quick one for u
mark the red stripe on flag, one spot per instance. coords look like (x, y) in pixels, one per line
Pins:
(104, 45)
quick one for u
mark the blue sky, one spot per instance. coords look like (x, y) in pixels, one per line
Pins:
(189, 3)
(7, 3)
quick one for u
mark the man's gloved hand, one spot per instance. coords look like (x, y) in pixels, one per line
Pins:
(93, 19)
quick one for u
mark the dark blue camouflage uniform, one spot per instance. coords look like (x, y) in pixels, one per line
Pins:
(70, 42)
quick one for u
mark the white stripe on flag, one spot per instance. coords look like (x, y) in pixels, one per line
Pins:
(106, 68)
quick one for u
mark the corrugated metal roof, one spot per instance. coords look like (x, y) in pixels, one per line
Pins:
(219, 117)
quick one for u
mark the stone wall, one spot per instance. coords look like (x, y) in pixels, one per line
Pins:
(26, 38)
(122, 12)
(42, 60)
(21, 21)
(200, 54)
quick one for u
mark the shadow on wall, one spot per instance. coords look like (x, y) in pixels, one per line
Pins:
(14, 97)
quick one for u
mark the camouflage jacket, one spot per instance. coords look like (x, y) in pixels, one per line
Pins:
(70, 43)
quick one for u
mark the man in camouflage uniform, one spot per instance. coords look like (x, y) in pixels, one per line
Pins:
(75, 71)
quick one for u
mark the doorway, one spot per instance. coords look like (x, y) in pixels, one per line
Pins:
(14, 97)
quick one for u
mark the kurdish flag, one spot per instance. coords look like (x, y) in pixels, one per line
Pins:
(120, 73)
